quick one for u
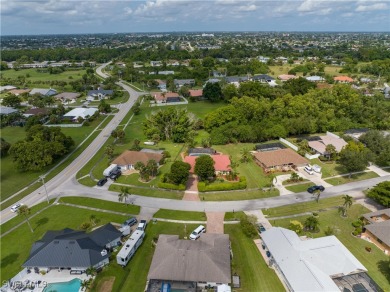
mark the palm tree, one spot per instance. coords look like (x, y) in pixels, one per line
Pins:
(317, 193)
(245, 155)
(311, 223)
(124, 194)
(91, 271)
(85, 284)
(94, 220)
(348, 201)
(25, 211)
(272, 177)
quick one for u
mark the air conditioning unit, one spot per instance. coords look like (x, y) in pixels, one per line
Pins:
(103, 252)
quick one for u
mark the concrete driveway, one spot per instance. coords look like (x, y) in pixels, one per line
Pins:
(215, 222)
(315, 178)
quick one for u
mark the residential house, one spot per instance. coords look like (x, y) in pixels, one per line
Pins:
(217, 74)
(7, 88)
(184, 82)
(66, 97)
(196, 93)
(377, 229)
(166, 72)
(356, 133)
(286, 77)
(174, 63)
(366, 80)
(128, 159)
(315, 78)
(319, 145)
(320, 264)
(263, 59)
(263, 78)
(343, 79)
(190, 264)
(43, 91)
(162, 85)
(279, 159)
(36, 112)
(99, 94)
(71, 249)
(18, 92)
(212, 80)
(166, 97)
(80, 112)
(386, 92)
(156, 63)
(221, 163)
(236, 80)
(5, 110)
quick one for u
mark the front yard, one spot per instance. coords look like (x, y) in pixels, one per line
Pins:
(355, 177)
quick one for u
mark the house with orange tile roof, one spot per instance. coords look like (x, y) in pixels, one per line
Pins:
(285, 77)
(197, 93)
(280, 159)
(165, 97)
(343, 79)
(221, 163)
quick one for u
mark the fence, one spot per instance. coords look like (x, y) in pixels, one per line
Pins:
(308, 156)
(291, 145)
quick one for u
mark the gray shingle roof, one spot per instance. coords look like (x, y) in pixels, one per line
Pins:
(105, 234)
(206, 259)
(263, 77)
(65, 248)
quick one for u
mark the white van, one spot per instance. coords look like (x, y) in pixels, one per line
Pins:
(197, 232)
(309, 169)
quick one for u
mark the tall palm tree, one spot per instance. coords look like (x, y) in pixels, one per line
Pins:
(245, 155)
(91, 271)
(85, 284)
(25, 211)
(317, 193)
(348, 201)
(123, 195)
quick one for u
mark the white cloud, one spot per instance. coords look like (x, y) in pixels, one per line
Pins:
(247, 8)
(373, 7)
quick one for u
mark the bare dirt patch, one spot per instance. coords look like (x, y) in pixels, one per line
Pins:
(106, 284)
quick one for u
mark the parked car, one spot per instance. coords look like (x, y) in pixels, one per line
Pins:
(102, 182)
(115, 175)
(268, 254)
(309, 169)
(142, 225)
(15, 208)
(260, 228)
(197, 232)
(312, 189)
(130, 222)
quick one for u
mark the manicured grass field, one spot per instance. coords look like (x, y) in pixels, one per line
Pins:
(151, 192)
(330, 168)
(180, 215)
(299, 187)
(374, 261)
(13, 180)
(233, 216)
(333, 70)
(304, 207)
(238, 195)
(248, 263)
(102, 204)
(355, 177)
(15, 247)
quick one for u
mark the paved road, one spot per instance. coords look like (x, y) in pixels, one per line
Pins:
(58, 184)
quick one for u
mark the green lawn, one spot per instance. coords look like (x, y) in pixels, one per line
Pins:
(54, 218)
(150, 192)
(101, 204)
(255, 176)
(248, 263)
(233, 216)
(343, 229)
(13, 180)
(355, 177)
(330, 168)
(180, 215)
(303, 207)
(299, 187)
(238, 195)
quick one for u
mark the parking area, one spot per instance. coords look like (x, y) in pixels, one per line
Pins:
(215, 222)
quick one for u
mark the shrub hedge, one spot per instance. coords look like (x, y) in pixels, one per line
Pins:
(171, 186)
(224, 186)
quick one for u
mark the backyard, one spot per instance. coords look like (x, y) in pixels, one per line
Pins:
(374, 261)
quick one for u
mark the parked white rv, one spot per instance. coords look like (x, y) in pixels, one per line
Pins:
(130, 247)
(109, 170)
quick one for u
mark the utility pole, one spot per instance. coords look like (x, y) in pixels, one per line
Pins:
(42, 179)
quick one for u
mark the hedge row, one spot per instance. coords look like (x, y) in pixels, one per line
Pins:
(224, 186)
(171, 186)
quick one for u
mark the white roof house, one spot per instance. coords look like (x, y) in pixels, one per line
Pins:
(80, 112)
(43, 91)
(315, 78)
(309, 265)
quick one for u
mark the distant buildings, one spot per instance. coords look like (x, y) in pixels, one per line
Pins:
(166, 97)
(343, 79)
(43, 91)
(80, 112)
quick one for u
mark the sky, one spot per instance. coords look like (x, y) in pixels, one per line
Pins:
(98, 16)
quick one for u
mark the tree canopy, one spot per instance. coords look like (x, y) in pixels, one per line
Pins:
(179, 172)
(204, 167)
(381, 193)
(355, 157)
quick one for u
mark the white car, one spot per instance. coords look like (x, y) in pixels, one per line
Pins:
(309, 169)
(15, 208)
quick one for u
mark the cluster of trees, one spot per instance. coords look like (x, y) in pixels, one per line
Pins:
(40, 148)
(179, 173)
(147, 171)
(204, 167)
(173, 124)
(379, 144)
(255, 119)
(381, 193)
(355, 157)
